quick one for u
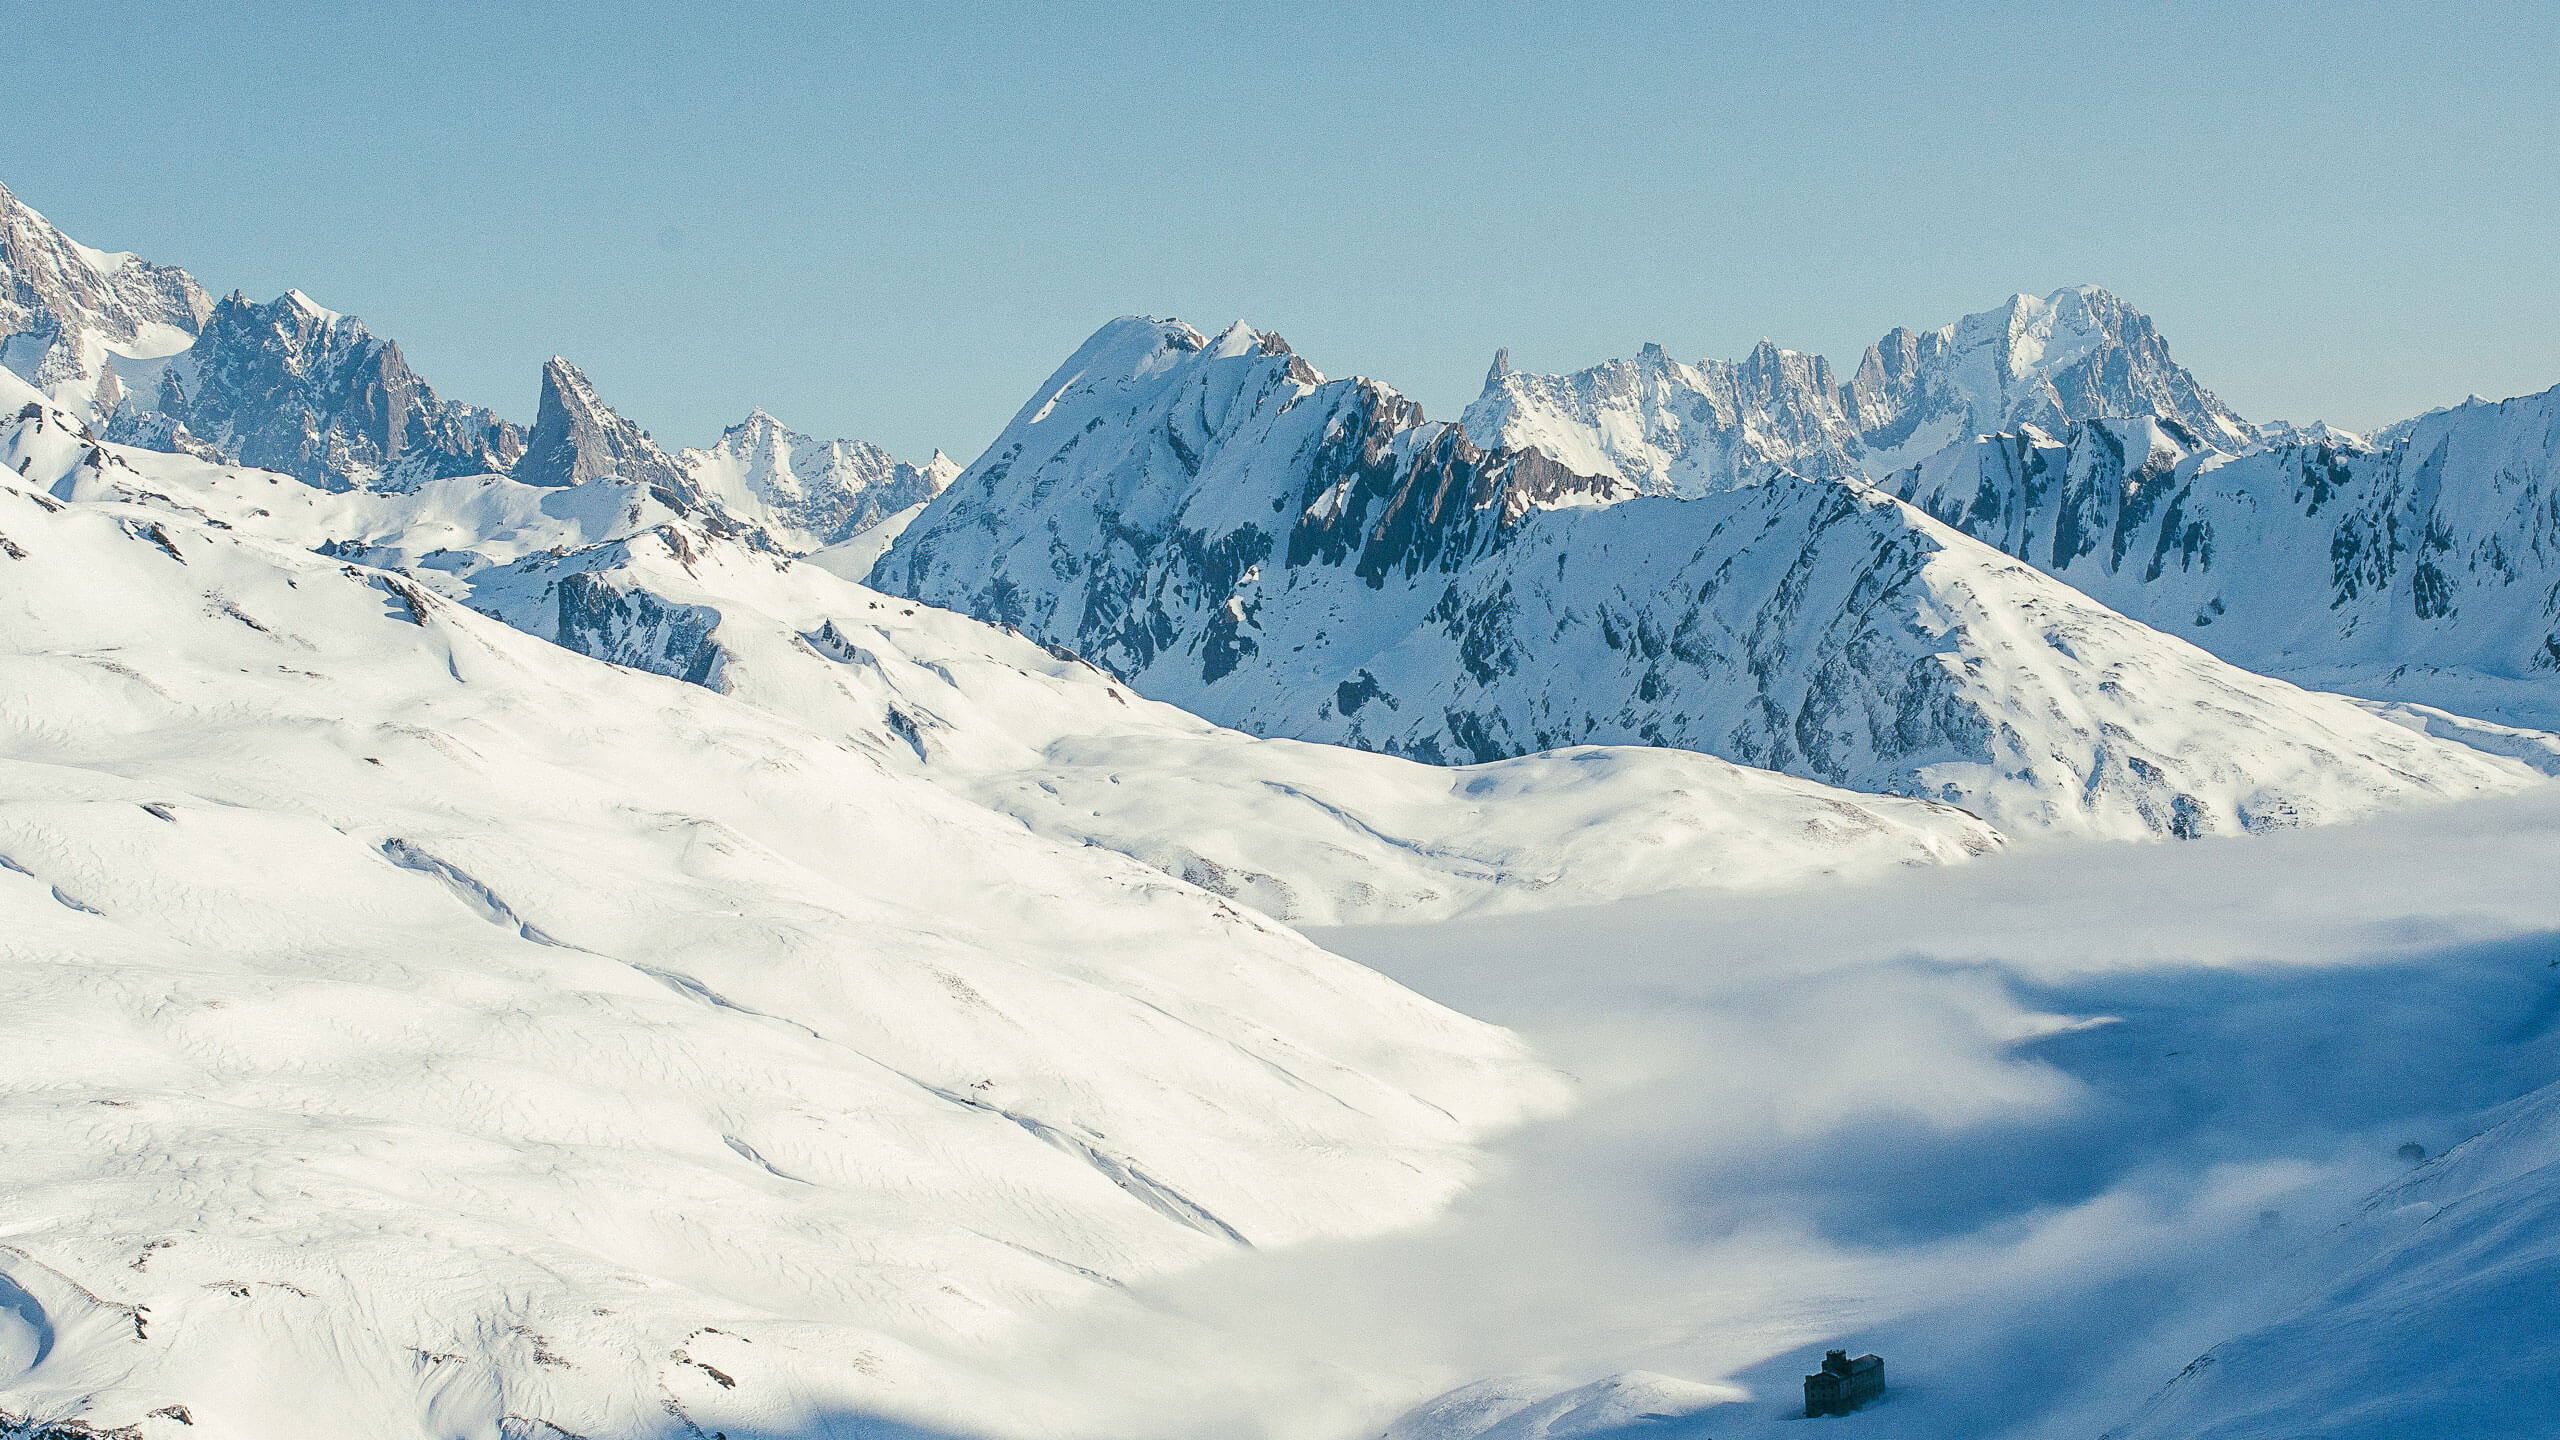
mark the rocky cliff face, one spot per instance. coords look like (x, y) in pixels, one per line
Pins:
(1680, 429)
(291, 386)
(68, 313)
(2423, 566)
(809, 493)
(1214, 522)
(576, 437)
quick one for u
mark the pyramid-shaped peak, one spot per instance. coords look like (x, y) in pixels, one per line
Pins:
(298, 301)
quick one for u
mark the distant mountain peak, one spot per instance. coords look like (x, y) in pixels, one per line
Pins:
(808, 493)
(2048, 360)
(304, 304)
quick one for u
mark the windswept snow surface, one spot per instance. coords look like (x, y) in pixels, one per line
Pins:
(415, 1028)
(2397, 1307)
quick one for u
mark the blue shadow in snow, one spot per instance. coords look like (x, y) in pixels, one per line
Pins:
(2200, 1068)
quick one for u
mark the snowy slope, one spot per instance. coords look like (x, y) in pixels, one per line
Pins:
(1307, 833)
(852, 557)
(2425, 568)
(1632, 1403)
(1211, 521)
(2427, 1314)
(420, 1029)
(1679, 429)
(69, 313)
(809, 493)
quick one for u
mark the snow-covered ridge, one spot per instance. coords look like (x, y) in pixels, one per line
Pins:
(2424, 567)
(1686, 429)
(1315, 560)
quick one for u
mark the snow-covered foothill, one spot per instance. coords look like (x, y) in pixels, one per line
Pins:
(1308, 833)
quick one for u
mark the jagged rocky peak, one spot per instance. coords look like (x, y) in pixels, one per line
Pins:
(576, 437)
(809, 493)
(68, 312)
(291, 385)
(1670, 428)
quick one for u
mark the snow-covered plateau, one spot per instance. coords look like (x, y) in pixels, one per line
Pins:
(1245, 912)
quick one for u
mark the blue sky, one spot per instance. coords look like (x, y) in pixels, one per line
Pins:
(893, 223)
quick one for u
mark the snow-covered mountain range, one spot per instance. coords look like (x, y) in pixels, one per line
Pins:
(1211, 520)
(2423, 566)
(587, 929)
(1305, 833)
(522, 931)
(143, 352)
(571, 932)
(1670, 428)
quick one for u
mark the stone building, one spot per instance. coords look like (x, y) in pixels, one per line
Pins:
(1843, 1384)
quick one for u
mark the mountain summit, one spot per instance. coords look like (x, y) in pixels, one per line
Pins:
(576, 437)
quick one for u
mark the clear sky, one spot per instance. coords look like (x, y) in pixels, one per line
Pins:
(893, 223)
